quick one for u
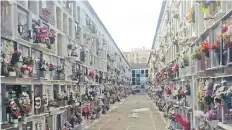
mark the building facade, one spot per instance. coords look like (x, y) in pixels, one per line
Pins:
(139, 76)
(190, 63)
(137, 55)
(52, 54)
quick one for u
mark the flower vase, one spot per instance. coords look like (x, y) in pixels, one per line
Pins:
(15, 121)
(12, 73)
(26, 74)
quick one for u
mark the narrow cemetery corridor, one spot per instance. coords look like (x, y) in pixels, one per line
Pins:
(135, 113)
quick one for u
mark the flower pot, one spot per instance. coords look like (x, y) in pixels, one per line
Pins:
(12, 73)
(15, 121)
(26, 74)
(207, 53)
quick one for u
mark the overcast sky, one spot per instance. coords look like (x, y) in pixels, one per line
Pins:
(131, 23)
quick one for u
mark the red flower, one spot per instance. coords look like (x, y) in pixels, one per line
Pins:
(225, 29)
(174, 88)
(27, 109)
(205, 47)
(51, 66)
(229, 45)
(91, 74)
(168, 91)
(214, 47)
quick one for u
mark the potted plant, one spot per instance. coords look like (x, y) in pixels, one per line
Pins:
(52, 36)
(191, 15)
(12, 70)
(227, 40)
(14, 112)
(60, 69)
(205, 48)
(51, 67)
(15, 57)
(197, 54)
(175, 68)
(216, 47)
(26, 70)
(186, 60)
(38, 102)
(25, 106)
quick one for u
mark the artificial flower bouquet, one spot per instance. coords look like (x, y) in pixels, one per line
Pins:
(216, 47)
(175, 68)
(197, 54)
(38, 102)
(15, 57)
(205, 48)
(26, 70)
(185, 60)
(51, 67)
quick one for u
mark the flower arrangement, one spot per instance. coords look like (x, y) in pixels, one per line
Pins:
(211, 115)
(26, 69)
(216, 47)
(13, 66)
(15, 111)
(28, 61)
(205, 48)
(185, 60)
(71, 97)
(182, 122)
(228, 41)
(45, 100)
(175, 68)
(201, 94)
(167, 91)
(52, 103)
(25, 104)
(191, 15)
(43, 35)
(46, 11)
(51, 67)
(91, 74)
(227, 33)
(38, 102)
(197, 54)
(15, 57)
(60, 68)
(13, 107)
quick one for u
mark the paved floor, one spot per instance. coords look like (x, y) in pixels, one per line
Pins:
(135, 113)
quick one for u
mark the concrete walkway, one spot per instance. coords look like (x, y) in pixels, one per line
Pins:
(135, 113)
